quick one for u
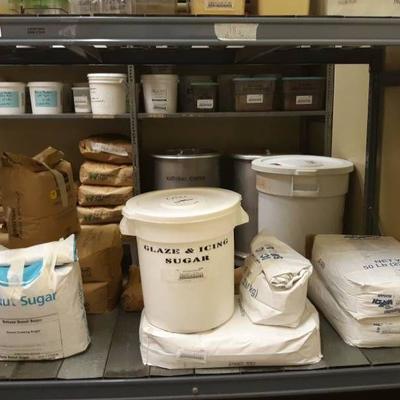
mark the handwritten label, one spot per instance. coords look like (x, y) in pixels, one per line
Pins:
(240, 32)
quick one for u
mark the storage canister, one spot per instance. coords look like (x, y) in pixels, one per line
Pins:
(204, 96)
(12, 98)
(279, 7)
(255, 93)
(304, 93)
(45, 7)
(81, 93)
(217, 7)
(108, 93)
(160, 93)
(46, 97)
(186, 255)
(244, 183)
(122, 7)
(165, 7)
(300, 196)
(186, 91)
(186, 168)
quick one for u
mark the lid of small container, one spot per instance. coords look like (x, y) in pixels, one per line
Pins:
(11, 84)
(302, 165)
(303, 78)
(181, 205)
(204, 83)
(80, 85)
(45, 84)
(107, 76)
(257, 78)
(186, 154)
(250, 156)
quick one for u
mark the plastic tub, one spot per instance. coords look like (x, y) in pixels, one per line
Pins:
(186, 168)
(186, 255)
(82, 98)
(108, 93)
(12, 98)
(304, 93)
(255, 93)
(165, 7)
(186, 92)
(46, 7)
(204, 96)
(217, 7)
(300, 196)
(46, 97)
(279, 7)
(160, 93)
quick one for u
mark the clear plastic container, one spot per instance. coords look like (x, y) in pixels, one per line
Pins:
(115, 7)
(46, 7)
(163, 7)
(186, 90)
(204, 97)
(255, 93)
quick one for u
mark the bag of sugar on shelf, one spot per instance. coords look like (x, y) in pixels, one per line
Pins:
(42, 315)
(274, 285)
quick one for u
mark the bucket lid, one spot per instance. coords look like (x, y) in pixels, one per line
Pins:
(303, 78)
(302, 165)
(257, 78)
(44, 84)
(251, 156)
(186, 205)
(186, 154)
(105, 76)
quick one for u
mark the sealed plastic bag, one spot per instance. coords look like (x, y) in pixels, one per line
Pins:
(274, 285)
(42, 316)
(371, 332)
(238, 342)
(361, 272)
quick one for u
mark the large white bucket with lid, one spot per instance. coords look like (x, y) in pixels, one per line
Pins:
(160, 93)
(108, 93)
(301, 196)
(186, 255)
(46, 97)
(12, 98)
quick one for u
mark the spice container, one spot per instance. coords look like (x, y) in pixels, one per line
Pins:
(217, 7)
(186, 90)
(204, 97)
(46, 7)
(186, 168)
(304, 93)
(163, 7)
(255, 93)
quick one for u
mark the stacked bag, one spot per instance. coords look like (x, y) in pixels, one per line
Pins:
(357, 286)
(273, 323)
(106, 184)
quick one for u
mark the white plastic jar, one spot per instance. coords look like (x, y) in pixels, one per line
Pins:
(82, 102)
(108, 93)
(46, 97)
(186, 255)
(301, 196)
(12, 98)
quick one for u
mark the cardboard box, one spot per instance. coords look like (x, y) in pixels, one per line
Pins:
(39, 198)
(357, 8)
(279, 7)
(100, 297)
(100, 253)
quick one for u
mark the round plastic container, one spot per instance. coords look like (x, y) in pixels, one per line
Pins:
(186, 255)
(82, 98)
(160, 93)
(108, 93)
(12, 98)
(46, 97)
(301, 196)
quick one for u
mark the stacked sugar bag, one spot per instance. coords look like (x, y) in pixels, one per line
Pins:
(357, 286)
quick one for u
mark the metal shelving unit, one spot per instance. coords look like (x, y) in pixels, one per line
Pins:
(112, 368)
(67, 116)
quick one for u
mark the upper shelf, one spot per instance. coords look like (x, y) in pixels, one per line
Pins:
(201, 31)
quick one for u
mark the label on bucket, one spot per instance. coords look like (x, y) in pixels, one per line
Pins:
(9, 99)
(205, 104)
(255, 99)
(46, 98)
(224, 4)
(159, 98)
(81, 100)
(304, 100)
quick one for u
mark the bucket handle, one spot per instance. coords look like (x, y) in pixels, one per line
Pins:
(308, 192)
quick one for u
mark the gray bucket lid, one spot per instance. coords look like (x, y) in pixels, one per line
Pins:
(186, 154)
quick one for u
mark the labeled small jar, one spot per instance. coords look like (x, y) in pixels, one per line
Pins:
(46, 97)
(82, 102)
(12, 98)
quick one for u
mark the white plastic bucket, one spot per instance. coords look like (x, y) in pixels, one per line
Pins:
(46, 97)
(82, 99)
(12, 98)
(301, 196)
(186, 255)
(160, 93)
(108, 93)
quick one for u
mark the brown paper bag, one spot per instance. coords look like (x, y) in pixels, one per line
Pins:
(99, 215)
(100, 297)
(100, 174)
(39, 198)
(132, 296)
(92, 196)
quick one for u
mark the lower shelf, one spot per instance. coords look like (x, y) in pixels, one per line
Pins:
(112, 369)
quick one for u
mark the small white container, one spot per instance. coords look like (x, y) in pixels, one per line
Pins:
(82, 98)
(186, 255)
(301, 196)
(46, 97)
(108, 93)
(12, 98)
(160, 93)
